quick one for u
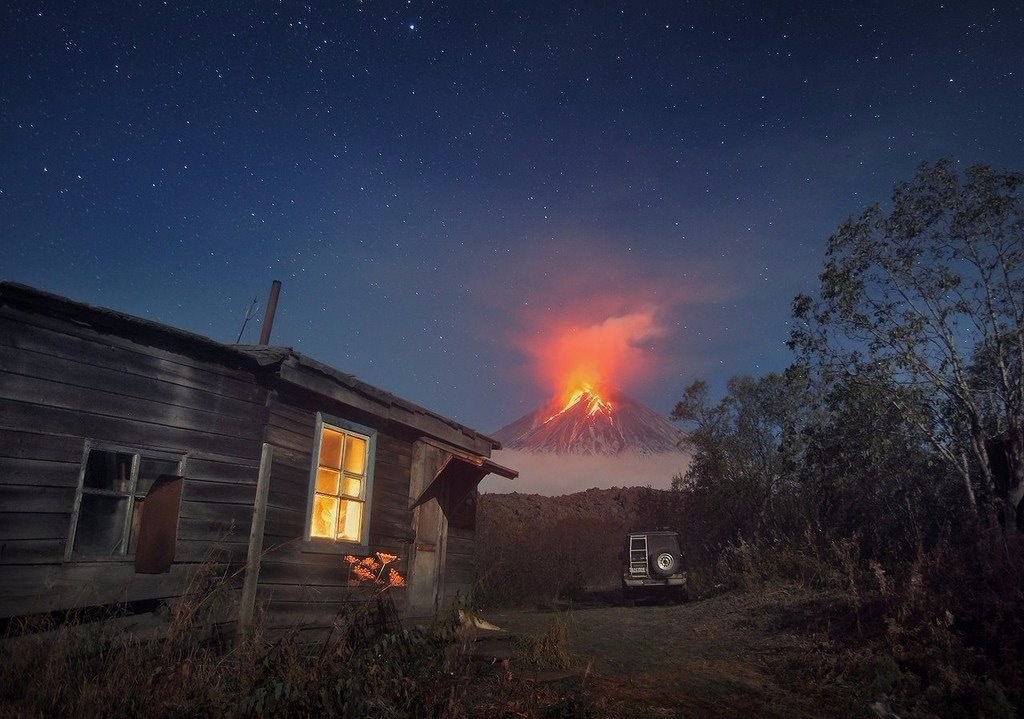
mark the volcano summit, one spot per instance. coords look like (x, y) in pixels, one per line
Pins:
(591, 422)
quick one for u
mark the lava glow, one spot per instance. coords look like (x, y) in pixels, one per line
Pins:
(579, 363)
(595, 402)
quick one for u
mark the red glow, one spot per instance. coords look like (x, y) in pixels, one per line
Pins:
(579, 363)
(589, 394)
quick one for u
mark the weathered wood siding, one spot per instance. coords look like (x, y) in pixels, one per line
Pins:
(301, 585)
(62, 383)
(458, 575)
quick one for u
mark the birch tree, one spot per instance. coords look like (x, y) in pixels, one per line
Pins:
(930, 292)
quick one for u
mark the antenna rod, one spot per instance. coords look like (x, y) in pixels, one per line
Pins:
(268, 317)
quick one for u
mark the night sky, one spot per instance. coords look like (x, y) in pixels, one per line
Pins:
(448, 191)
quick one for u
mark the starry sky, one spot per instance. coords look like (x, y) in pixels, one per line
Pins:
(449, 190)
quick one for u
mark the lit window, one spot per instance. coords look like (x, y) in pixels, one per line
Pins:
(112, 498)
(341, 479)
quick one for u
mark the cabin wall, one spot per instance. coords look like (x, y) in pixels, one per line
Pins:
(62, 383)
(459, 573)
(303, 585)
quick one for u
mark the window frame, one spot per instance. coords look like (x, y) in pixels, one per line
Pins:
(325, 544)
(138, 454)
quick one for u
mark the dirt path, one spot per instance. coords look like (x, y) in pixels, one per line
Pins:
(720, 657)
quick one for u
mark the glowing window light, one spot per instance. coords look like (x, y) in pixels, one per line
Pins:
(339, 498)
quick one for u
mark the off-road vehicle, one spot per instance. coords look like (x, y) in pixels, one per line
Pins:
(652, 566)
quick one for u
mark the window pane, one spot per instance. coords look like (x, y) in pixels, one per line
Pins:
(355, 455)
(349, 522)
(330, 448)
(100, 525)
(325, 514)
(327, 480)
(150, 469)
(352, 486)
(108, 470)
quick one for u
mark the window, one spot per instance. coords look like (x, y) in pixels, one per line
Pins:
(342, 475)
(111, 499)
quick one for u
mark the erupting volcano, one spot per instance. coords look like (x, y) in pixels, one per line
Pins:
(590, 434)
(592, 421)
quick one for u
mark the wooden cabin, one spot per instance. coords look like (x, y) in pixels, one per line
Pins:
(133, 453)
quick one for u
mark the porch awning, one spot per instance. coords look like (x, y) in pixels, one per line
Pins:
(460, 473)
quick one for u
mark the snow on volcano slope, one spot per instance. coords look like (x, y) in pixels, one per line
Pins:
(592, 424)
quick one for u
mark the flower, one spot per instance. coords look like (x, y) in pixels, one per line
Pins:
(363, 574)
(371, 570)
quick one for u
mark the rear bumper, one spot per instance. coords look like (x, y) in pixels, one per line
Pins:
(652, 582)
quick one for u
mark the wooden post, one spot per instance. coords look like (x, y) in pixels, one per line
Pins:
(252, 565)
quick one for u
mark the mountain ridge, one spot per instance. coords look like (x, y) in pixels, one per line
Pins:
(604, 423)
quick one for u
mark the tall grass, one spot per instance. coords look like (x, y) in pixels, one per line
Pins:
(362, 668)
(941, 635)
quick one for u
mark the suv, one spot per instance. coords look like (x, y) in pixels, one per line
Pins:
(652, 565)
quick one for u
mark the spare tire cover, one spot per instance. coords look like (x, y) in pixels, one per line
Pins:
(664, 564)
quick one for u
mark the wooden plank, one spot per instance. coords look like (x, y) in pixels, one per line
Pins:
(43, 588)
(197, 551)
(392, 503)
(292, 474)
(429, 424)
(295, 406)
(302, 553)
(124, 430)
(391, 443)
(247, 605)
(289, 502)
(294, 593)
(284, 524)
(298, 443)
(23, 498)
(41, 472)
(44, 366)
(31, 551)
(211, 530)
(217, 492)
(38, 444)
(384, 483)
(238, 514)
(63, 339)
(306, 572)
(303, 423)
(400, 461)
(290, 458)
(50, 393)
(240, 473)
(34, 525)
(459, 575)
(390, 513)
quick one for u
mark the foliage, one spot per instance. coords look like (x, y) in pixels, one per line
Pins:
(941, 636)
(545, 562)
(362, 668)
(551, 649)
(864, 469)
(738, 480)
(371, 571)
(928, 296)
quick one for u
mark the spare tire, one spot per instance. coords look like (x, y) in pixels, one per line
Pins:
(664, 564)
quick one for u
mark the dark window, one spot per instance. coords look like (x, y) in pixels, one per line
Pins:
(112, 499)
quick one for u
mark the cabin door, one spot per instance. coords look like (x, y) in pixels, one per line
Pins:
(426, 562)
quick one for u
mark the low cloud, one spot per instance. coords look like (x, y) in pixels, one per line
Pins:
(557, 474)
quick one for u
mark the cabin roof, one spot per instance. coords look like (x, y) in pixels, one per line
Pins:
(290, 365)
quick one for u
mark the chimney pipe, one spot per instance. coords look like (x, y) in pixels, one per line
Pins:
(268, 316)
